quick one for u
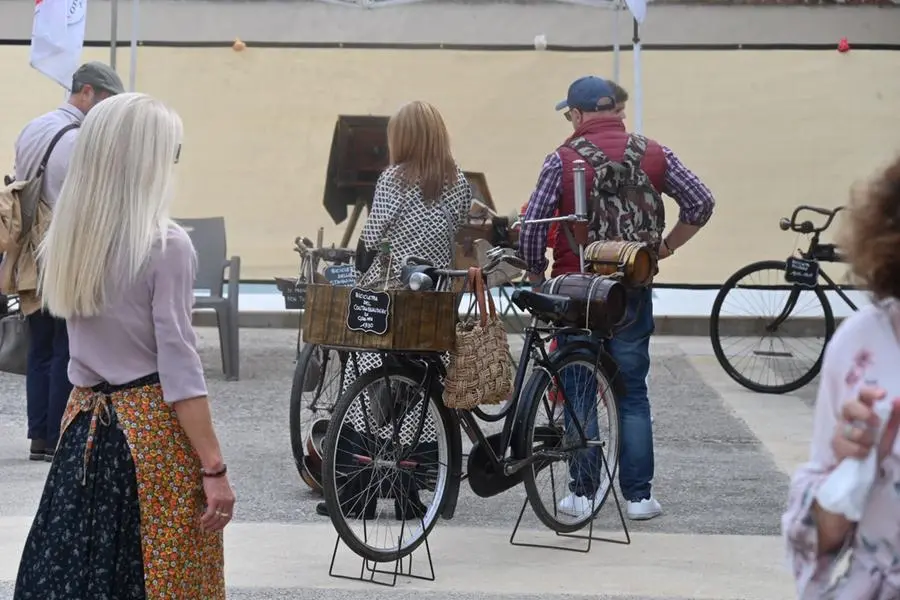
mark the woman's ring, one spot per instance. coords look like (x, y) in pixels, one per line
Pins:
(848, 431)
(219, 513)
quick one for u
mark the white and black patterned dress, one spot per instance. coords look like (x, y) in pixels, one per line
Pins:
(414, 227)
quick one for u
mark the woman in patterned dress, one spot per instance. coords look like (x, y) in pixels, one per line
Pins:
(137, 496)
(860, 368)
(420, 201)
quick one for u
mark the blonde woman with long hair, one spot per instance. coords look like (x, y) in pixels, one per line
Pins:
(137, 494)
(420, 201)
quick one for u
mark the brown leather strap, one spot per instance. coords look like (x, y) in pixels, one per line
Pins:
(476, 283)
(488, 297)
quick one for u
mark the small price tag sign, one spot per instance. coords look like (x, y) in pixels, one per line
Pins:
(369, 311)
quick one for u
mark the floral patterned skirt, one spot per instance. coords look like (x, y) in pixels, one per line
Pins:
(119, 518)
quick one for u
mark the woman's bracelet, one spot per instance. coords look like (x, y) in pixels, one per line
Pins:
(668, 247)
(220, 473)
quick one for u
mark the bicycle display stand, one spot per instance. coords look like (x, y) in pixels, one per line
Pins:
(403, 566)
(590, 538)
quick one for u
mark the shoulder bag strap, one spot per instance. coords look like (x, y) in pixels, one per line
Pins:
(635, 149)
(589, 151)
(53, 142)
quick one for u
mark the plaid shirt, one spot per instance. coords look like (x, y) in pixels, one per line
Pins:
(689, 192)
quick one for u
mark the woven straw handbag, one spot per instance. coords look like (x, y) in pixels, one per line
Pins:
(479, 371)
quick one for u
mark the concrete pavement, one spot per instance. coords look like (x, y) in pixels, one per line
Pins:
(723, 458)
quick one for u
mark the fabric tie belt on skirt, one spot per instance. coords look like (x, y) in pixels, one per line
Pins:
(95, 400)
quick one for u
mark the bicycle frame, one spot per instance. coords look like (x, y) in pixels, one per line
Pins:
(534, 344)
(818, 253)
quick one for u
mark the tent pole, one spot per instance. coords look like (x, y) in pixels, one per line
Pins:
(135, 28)
(617, 59)
(113, 32)
(638, 91)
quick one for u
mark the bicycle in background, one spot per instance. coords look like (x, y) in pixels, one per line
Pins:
(772, 319)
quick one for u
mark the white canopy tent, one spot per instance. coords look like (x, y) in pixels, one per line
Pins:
(637, 9)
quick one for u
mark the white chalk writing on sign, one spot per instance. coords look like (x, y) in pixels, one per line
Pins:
(341, 275)
(369, 311)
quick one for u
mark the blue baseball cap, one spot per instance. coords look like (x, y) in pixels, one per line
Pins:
(589, 94)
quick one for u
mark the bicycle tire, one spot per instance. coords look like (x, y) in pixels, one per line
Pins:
(297, 409)
(295, 415)
(715, 338)
(329, 475)
(523, 436)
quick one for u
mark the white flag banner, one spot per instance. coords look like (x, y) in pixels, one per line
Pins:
(57, 37)
(638, 9)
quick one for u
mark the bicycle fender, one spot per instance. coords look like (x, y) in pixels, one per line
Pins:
(578, 347)
(606, 361)
(454, 469)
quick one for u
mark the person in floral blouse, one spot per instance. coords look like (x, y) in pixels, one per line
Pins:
(861, 366)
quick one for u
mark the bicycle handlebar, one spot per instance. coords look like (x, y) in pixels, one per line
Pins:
(418, 274)
(807, 227)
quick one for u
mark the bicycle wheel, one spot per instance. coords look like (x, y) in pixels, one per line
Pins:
(774, 340)
(318, 377)
(389, 445)
(568, 485)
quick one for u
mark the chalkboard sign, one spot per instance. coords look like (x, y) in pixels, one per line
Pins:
(295, 298)
(802, 272)
(369, 311)
(342, 275)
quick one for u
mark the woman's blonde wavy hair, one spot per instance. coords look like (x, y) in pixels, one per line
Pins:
(419, 142)
(114, 204)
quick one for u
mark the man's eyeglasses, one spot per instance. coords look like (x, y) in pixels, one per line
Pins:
(568, 115)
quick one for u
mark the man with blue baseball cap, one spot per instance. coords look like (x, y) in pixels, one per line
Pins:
(625, 177)
(589, 94)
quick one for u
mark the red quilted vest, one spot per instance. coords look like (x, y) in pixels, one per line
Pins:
(610, 136)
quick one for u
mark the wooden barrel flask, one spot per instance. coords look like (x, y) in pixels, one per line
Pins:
(635, 261)
(597, 302)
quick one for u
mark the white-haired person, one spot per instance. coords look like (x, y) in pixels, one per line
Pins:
(137, 495)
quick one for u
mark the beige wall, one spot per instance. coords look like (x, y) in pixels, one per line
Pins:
(766, 130)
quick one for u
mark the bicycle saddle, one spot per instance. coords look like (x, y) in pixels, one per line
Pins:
(546, 307)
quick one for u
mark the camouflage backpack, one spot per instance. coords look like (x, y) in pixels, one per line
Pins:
(622, 203)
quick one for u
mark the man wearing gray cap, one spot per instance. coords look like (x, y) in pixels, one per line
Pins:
(48, 141)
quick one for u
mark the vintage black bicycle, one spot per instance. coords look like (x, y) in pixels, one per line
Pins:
(393, 459)
(772, 319)
(319, 371)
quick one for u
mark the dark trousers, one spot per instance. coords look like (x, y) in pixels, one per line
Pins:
(47, 382)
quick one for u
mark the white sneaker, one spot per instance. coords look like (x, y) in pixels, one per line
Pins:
(581, 506)
(643, 510)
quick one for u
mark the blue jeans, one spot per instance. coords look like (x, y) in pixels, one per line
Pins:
(630, 349)
(47, 381)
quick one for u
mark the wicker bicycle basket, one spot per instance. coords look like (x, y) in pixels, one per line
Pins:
(417, 321)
